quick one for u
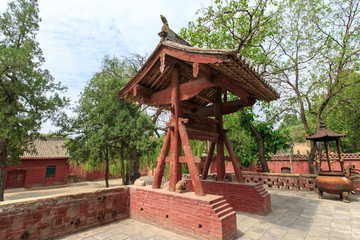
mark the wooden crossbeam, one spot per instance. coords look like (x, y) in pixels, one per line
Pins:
(202, 135)
(181, 159)
(227, 107)
(233, 88)
(187, 90)
(143, 92)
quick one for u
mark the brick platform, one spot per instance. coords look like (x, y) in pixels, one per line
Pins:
(51, 217)
(244, 197)
(207, 217)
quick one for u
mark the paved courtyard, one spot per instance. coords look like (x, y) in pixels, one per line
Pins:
(294, 215)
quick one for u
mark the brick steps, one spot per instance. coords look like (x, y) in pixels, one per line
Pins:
(225, 211)
(244, 197)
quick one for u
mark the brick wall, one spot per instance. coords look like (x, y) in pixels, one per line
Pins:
(51, 217)
(82, 174)
(35, 173)
(304, 182)
(207, 217)
(244, 197)
(299, 163)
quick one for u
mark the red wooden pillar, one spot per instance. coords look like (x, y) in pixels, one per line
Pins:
(220, 161)
(175, 139)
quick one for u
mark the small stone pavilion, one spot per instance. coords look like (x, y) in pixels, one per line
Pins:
(193, 83)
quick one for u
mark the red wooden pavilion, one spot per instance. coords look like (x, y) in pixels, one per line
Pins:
(193, 83)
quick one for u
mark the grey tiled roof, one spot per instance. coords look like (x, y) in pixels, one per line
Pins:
(51, 148)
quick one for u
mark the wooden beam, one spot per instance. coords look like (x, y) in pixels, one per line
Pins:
(143, 92)
(202, 135)
(201, 123)
(193, 57)
(227, 107)
(181, 159)
(208, 161)
(190, 160)
(227, 158)
(190, 107)
(205, 98)
(187, 90)
(159, 172)
(233, 88)
(200, 119)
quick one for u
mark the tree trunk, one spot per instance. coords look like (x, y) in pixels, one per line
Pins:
(127, 180)
(122, 166)
(307, 130)
(3, 157)
(107, 167)
(134, 167)
(261, 148)
(312, 157)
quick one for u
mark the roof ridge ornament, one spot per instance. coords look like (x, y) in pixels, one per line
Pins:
(167, 34)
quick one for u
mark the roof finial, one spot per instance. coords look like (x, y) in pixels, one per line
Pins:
(163, 19)
(164, 30)
(167, 34)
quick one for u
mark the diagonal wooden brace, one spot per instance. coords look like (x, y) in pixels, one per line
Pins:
(237, 170)
(190, 160)
(161, 163)
(208, 161)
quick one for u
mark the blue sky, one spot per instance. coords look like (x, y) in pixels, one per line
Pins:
(75, 35)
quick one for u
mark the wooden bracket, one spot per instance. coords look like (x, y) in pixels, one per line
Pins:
(162, 62)
(195, 69)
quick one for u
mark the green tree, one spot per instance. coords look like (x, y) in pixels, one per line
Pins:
(345, 116)
(292, 124)
(107, 130)
(259, 139)
(318, 52)
(247, 27)
(28, 94)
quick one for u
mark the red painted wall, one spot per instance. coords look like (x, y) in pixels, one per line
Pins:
(89, 175)
(299, 163)
(35, 172)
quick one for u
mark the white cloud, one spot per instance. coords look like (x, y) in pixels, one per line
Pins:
(76, 34)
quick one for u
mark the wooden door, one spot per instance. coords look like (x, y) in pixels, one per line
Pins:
(15, 179)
